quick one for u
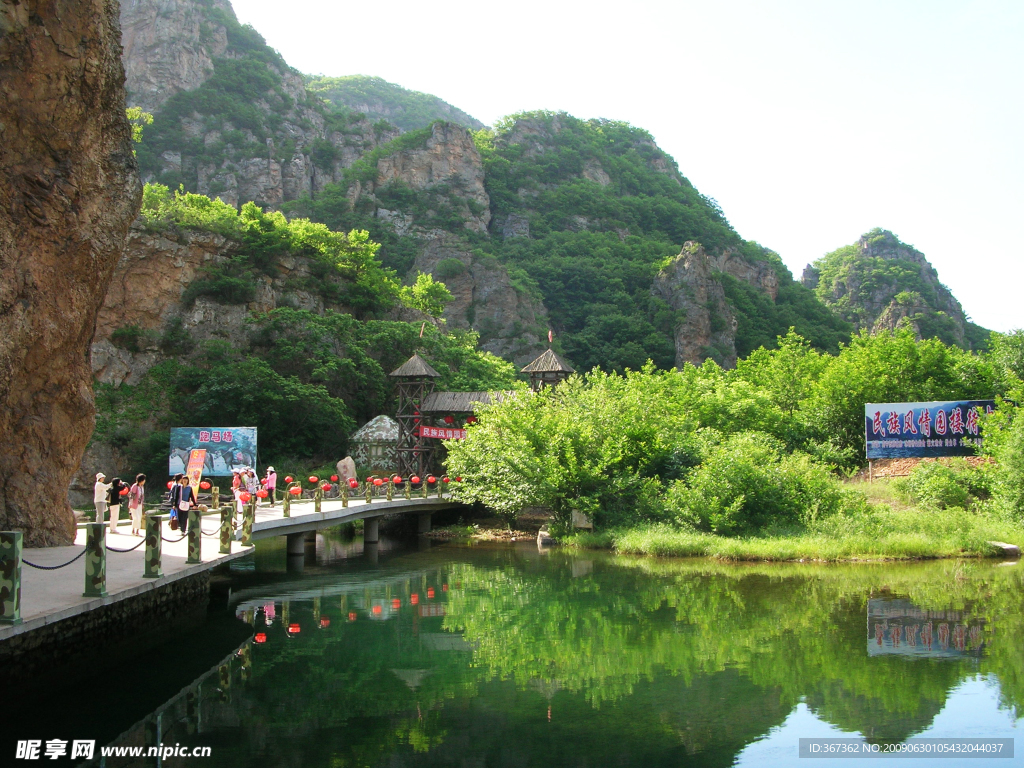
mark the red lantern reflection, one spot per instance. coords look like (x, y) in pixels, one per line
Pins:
(430, 593)
(414, 599)
(261, 637)
(325, 622)
(294, 629)
(351, 615)
(396, 604)
(444, 587)
(377, 610)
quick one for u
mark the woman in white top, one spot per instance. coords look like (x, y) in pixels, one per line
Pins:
(99, 496)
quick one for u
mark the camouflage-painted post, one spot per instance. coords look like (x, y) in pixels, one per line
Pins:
(408, 491)
(425, 489)
(225, 530)
(245, 654)
(10, 577)
(391, 491)
(224, 680)
(195, 539)
(318, 497)
(286, 504)
(191, 712)
(154, 547)
(216, 497)
(369, 491)
(248, 518)
(95, 560)
(154, 737)
(344, 491)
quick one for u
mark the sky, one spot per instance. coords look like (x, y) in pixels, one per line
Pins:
(809, 122)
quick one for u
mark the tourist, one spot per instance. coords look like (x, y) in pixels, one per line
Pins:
(99, 496)
(136, 499)
(251, 483)
(239, 505)
(114, 501)
(172, 498)
(186, 498)
(270, 483)
(236, 480)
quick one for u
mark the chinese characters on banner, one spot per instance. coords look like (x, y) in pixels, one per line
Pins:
(196, 459)
(902, 430)
(442, 433)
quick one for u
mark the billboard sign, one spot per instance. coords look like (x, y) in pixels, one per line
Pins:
(227, 448)
(441, 433)
(905, 430)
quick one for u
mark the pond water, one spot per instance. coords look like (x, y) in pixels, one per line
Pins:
(503, 655)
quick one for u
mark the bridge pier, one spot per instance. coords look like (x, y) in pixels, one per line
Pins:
(296, 543)
(370, 530)
(423, 523)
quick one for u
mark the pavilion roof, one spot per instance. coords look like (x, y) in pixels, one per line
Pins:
(548, 362)
(461, 402)
(415, 367)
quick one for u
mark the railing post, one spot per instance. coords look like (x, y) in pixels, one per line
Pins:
(408, 490)
(154, 547)
(95, 560)
(318, 497)
(10, 577)
(195, 536)
(391, 489)
(286, 504)
(344, 490)
(369, 492)
(248, 518)
(215, 494)
(225, 530)
(425, 490)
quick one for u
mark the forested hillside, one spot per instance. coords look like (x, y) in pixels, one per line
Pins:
(880, 281)
(378, 99)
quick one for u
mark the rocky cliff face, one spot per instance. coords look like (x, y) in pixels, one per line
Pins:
(509, 320)
(69, 191)
(169, 47)
(692, 285)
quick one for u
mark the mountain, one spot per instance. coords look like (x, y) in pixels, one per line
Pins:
(879, 282)
(380, 100)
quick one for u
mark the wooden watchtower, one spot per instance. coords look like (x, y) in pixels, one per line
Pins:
(414, 380)
(547, 370)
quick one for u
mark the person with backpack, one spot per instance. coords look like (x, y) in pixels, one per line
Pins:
(186, 500)
(114, 501)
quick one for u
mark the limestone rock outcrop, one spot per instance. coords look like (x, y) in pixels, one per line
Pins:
(708, 328)
(510, 321)
(68, 192)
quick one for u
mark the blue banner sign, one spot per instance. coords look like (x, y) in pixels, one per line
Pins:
(227, 448)
(903, 430)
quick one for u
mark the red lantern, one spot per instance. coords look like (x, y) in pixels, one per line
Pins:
(396, 479)
(325, 623)
(414, 599)
(262, 493)
(334, 478)
(351, 615)
(377, 610)
(325, 487)
(170, 484)
(261, 637)
(430, 593)
(414, 480)
(294, 491)
(431, 479)
(471, 419)
(444, 479)
(396, 604)
(294, 629)
(444, 587)
(378, 482)
(289, 479)
(353, 483)
(313, 479)
(449, 420)
(205, 485)
(458, 479)
(124, 491)
(245, 497)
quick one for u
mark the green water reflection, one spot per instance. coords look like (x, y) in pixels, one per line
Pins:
(509, 656)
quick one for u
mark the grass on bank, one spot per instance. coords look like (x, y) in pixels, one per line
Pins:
(882, 533)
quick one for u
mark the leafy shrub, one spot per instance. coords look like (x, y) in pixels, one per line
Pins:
(944, 484)
(131, 338)
(448, 268)
(748, 483)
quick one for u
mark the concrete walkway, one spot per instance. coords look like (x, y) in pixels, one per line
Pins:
(50, 596)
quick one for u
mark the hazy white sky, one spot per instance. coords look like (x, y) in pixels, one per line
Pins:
(809, 121)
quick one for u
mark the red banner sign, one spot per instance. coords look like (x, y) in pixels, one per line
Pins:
(442, 433)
